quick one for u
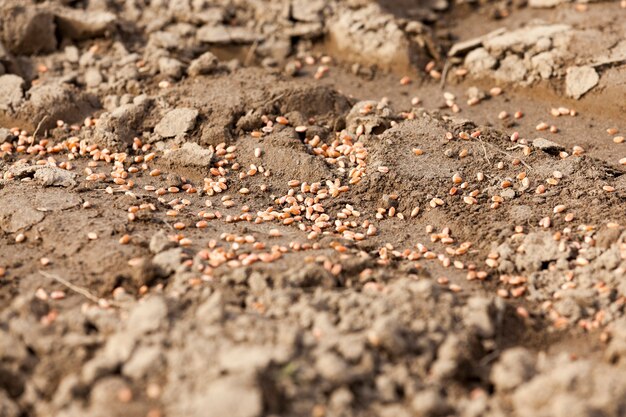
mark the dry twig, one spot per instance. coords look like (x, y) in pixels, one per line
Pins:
(80, 290)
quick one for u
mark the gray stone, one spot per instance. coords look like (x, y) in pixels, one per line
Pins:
(176, 122)
(147, 316)
(580, 80)
(11, 92)
(515, 367)
(206, 63)
(190, 154)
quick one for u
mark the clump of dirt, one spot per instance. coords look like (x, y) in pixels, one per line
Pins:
(572, 50)
(218, 208)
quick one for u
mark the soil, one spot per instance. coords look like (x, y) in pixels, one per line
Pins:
(312, 208)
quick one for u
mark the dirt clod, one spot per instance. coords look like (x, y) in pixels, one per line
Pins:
(176, 122)
(579, 80)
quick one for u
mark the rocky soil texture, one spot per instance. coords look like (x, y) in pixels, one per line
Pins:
(312, 208)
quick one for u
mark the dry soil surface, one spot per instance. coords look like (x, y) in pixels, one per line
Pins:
(312, 208)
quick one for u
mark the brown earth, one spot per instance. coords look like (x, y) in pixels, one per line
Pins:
(312, 208)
